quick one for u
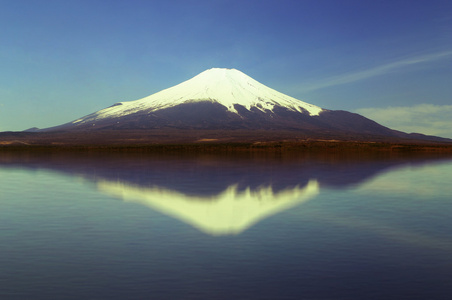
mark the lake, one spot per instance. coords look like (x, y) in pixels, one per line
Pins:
(92, 225)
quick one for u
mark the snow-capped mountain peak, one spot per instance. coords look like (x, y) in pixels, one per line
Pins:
(224, 86)
(222, 101)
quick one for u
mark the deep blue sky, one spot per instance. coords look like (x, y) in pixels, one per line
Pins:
(390, 60)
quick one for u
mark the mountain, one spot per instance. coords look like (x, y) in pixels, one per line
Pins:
(227, 99)
(216, 98)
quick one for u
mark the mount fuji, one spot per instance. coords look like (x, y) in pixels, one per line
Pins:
(227, 99)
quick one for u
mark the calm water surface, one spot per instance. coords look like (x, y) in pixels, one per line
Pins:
(135, 226)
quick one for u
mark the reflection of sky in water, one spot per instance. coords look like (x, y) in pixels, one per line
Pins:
(401, 206)
(434, 180)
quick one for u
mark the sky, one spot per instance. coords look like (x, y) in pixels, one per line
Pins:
(389, 60)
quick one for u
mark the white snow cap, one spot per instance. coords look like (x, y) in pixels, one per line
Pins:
(224, 86)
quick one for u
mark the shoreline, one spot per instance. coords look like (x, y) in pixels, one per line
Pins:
(300, 146)
(174, 140)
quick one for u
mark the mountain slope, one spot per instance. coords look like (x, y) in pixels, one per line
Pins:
(229, 88)
(227, 99)
(227, 94)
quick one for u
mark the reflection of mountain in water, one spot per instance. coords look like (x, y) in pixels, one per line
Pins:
(216, 194)
(230, 212)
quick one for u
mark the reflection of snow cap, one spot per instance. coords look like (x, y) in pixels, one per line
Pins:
(230, 212)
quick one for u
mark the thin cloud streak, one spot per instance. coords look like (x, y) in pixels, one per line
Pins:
(377, 71)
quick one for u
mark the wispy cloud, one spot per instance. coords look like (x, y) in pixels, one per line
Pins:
(376, 71)
(423, 118)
